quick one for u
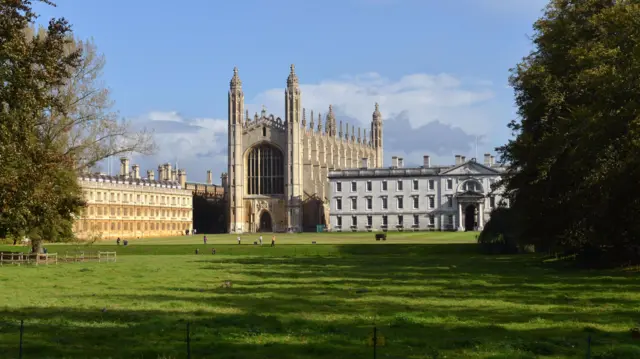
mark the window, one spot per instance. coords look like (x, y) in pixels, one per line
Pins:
(369, 186)
(264, 131)
(415, 185)
(432, 185)
(449, 183)
(384, 221)
(432, 220)
(384, 185)
(118, 196)
(492, 201)
(354, 203)
(432, 201)
(451, 219)
(353, 186)
(416, 220)
(354, 221)
(400, 220)
(449, 201)
(472, 186)
(415, 202)
(338, 186)
(399, 185)
(338, 203)
(400, 203)
(369, 203)
(265, 170)
(339, 221)
(384, 203)
(369, 221)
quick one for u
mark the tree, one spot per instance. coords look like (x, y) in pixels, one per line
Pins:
(38, 187)
(574, 162)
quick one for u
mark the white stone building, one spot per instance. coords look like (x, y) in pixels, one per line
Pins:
(456, 197)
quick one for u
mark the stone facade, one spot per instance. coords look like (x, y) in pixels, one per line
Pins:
(277, 175)
(128, 206)
(456, 197)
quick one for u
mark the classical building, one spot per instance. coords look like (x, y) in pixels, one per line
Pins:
(278, 167)
(456, 197)
(128, 206)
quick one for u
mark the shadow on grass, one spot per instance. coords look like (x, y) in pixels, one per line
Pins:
(428, 301)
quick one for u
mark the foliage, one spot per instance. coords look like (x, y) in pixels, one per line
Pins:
(87, 128)
(302, 301)
(574, 161)
(500, 234)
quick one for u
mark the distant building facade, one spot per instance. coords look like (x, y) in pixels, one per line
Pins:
(277, 175)
(128, 206)
(456, 197)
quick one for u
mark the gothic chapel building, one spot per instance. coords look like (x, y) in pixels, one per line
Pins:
(278, 168)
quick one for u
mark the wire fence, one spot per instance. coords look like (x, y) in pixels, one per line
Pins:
(32, 340)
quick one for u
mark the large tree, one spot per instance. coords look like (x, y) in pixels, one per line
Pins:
(575, 159)
(56, 120)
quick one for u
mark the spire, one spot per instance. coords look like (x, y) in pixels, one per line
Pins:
(330, 127)
(319, 123)
(346, 133)
(304, 118)
(359, 131)
(376, 113)
(364, 136)
(311, 123)
(292, 80)
(340, 133)
(247, 118)
(235, 82)
(353, 133)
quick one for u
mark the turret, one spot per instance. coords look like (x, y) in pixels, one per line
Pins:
(376, 134)
(293, 173)
(235, 165)
(330, 127)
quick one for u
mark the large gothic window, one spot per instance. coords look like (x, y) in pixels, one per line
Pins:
(265, 170)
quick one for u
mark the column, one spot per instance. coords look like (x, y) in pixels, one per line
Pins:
(460, 228)
(480, 215)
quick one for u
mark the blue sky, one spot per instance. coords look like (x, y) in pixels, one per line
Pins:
(438, 68)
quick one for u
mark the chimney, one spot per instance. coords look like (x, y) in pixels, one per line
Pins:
(167, 171)
(426, 161)
(463, 159)
(492, 161)
(136, 171)
(365, 162)
(124, 167)
(209, 177)
(150, 175)
(458, 159)
(487, 159)
(161, 173)
(394, 161)
(224, 179)
(182, 178)
(400, 162)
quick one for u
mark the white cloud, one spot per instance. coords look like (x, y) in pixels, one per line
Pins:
(436, 114)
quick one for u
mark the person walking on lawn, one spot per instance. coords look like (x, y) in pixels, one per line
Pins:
(273, 241)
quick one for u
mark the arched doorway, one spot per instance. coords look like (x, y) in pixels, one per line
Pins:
(265, 222)
(470, 218)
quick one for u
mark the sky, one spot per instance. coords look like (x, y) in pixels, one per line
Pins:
(438, 69)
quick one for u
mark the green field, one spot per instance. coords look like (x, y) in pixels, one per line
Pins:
(430, 295)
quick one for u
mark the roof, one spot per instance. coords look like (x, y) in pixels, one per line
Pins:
(416, 171)
(98, 177)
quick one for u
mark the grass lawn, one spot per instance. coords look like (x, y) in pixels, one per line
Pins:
(431, 295)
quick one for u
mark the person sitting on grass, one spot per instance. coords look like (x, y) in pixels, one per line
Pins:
(118, 241)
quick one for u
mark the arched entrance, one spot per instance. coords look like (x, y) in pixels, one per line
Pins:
(265, 222)
(470, 218)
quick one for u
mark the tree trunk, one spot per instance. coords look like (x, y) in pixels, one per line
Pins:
(36, 246)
